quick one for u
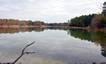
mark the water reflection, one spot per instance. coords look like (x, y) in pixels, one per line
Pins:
(97, 37)
(36, 29)
(53, 45)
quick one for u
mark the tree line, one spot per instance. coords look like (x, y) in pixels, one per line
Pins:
(81, 21)
(29, 22)
(92, 20)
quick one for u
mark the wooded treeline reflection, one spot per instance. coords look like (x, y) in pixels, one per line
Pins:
(97, 37)
(36, 29)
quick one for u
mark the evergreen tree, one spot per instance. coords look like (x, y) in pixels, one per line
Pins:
(81, 21)
(103, 22)
(104, 9)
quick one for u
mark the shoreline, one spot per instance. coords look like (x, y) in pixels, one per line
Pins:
(27, 26)
(18, 26)
(43, 26)
(88, 28)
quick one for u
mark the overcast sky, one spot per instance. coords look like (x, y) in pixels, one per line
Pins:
(48, 10)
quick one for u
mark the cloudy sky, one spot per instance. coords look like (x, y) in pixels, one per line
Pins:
(48, 10)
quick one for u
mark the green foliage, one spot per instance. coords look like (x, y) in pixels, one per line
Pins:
(81, 21)
(102, 23)
(104, 3)
(31, 29)
(31, 23)
(52, 24)
(97, 37)
(65, 24)
(43, 23)
(82, 34)
(58, 24)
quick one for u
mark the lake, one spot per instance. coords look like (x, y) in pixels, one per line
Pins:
(52, 46)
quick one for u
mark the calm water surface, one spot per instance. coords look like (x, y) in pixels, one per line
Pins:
(53, 46)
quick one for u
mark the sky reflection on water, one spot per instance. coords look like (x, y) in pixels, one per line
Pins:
(51, 47)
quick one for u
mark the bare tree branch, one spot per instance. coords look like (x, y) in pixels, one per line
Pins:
(27, 46)
(100, 6)
(24, 53)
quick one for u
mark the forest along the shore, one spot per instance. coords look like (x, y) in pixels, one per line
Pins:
(91, 21)
(23, 23)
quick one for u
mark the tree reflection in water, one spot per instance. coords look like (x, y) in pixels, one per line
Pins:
(29, 29)
(103, 51)
(97, 37)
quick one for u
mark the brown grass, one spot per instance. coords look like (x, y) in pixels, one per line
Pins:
(12, 26)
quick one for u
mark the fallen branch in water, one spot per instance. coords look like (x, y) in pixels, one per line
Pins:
(24, 53)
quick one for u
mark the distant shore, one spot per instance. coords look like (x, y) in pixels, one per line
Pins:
(43, 26)
(26, 26)
(18, 26)
(88, 28)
